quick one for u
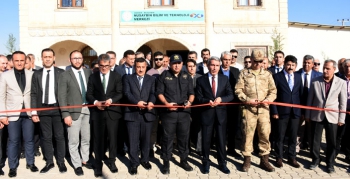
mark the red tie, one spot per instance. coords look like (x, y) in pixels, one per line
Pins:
(213, 86)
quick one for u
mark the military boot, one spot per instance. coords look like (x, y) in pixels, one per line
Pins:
(246, 163)
(265, 165)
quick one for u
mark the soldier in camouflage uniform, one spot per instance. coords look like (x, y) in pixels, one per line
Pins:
(256, 85)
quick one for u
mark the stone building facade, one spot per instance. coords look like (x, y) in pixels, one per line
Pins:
(98, 26)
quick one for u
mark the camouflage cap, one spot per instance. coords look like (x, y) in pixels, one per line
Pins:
(258, 55)
(175, 58)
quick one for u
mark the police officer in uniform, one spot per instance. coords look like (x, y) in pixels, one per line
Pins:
(256, 85)
(175, 90)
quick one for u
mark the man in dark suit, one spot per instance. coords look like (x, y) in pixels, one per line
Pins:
(307, 75)
(234, 110)
(43, 95)
(341, 71)
(327, 91)
(213, 88)
(278, 58)
(15, 95)
(139, 89)
(128, 67)
(113, 59)
(196, 129)
(104, 89)
(125, 69)
(202, 66)
(279, 61)
(72, 92)
(289, 90)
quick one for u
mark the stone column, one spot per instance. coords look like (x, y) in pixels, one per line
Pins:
(209, 23)
(115, 26)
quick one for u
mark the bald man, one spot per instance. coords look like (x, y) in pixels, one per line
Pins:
(3, 63)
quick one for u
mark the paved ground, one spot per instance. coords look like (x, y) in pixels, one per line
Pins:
(234, 165)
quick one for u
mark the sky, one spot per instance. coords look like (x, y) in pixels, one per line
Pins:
(324, 12)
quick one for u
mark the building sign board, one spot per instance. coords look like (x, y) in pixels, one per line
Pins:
(162, 16)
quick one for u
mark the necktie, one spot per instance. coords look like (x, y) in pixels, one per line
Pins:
(104, 82)
(213, 86)
(21, 81)
(140, 81)
(306, 83)
(278, 70)
(82, 85)
(290, 82)
(128, 70)
(47, 86)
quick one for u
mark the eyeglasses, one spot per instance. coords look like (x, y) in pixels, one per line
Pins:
(76, 58)
(103, 66)
(234, 56)
(317, 64)
(258, 61)
(156, 59)
(247, 62)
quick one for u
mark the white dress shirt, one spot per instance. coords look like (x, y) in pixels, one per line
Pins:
(52, 98)
(205, 69)
(308, 77)
(286, 74)
(76, 74)
(216, 82)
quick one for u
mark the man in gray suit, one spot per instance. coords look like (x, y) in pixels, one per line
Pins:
(327, 91)
(72, 92)
(15, 95)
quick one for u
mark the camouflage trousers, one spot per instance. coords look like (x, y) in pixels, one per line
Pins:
(259, 120)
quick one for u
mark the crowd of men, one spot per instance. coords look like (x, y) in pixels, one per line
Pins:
(80, 111)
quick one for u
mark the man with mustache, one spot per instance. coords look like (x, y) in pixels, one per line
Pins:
(289, 90)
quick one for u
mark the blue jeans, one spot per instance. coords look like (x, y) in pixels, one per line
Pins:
(24, 126)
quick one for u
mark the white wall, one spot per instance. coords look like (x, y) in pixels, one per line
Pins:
(322, 43)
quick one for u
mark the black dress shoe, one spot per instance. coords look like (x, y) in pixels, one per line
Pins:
(151, 153)
(330, 169)
(112, 167)
(199, 153)
(166, 167)
(133, 171)
(62, 167)
(37, 153)
(185, 166)
(79, 171)
(146, 165)
(314, 165)
(23, 155)
(224, 168)
(47, 168)
(32, 168)
(87, 165)
(13, 172)
(233, 153)
(206, 167)
(98, 173)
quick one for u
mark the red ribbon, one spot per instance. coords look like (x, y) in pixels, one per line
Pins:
(193, 106)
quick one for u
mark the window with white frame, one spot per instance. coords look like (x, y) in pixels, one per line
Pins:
(71, 3)
(160, 2)
(247, 51)
(249, 2)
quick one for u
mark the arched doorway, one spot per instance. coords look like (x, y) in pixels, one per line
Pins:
(64, 48)
(89, 55)
(145, 49)
(166, 46)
